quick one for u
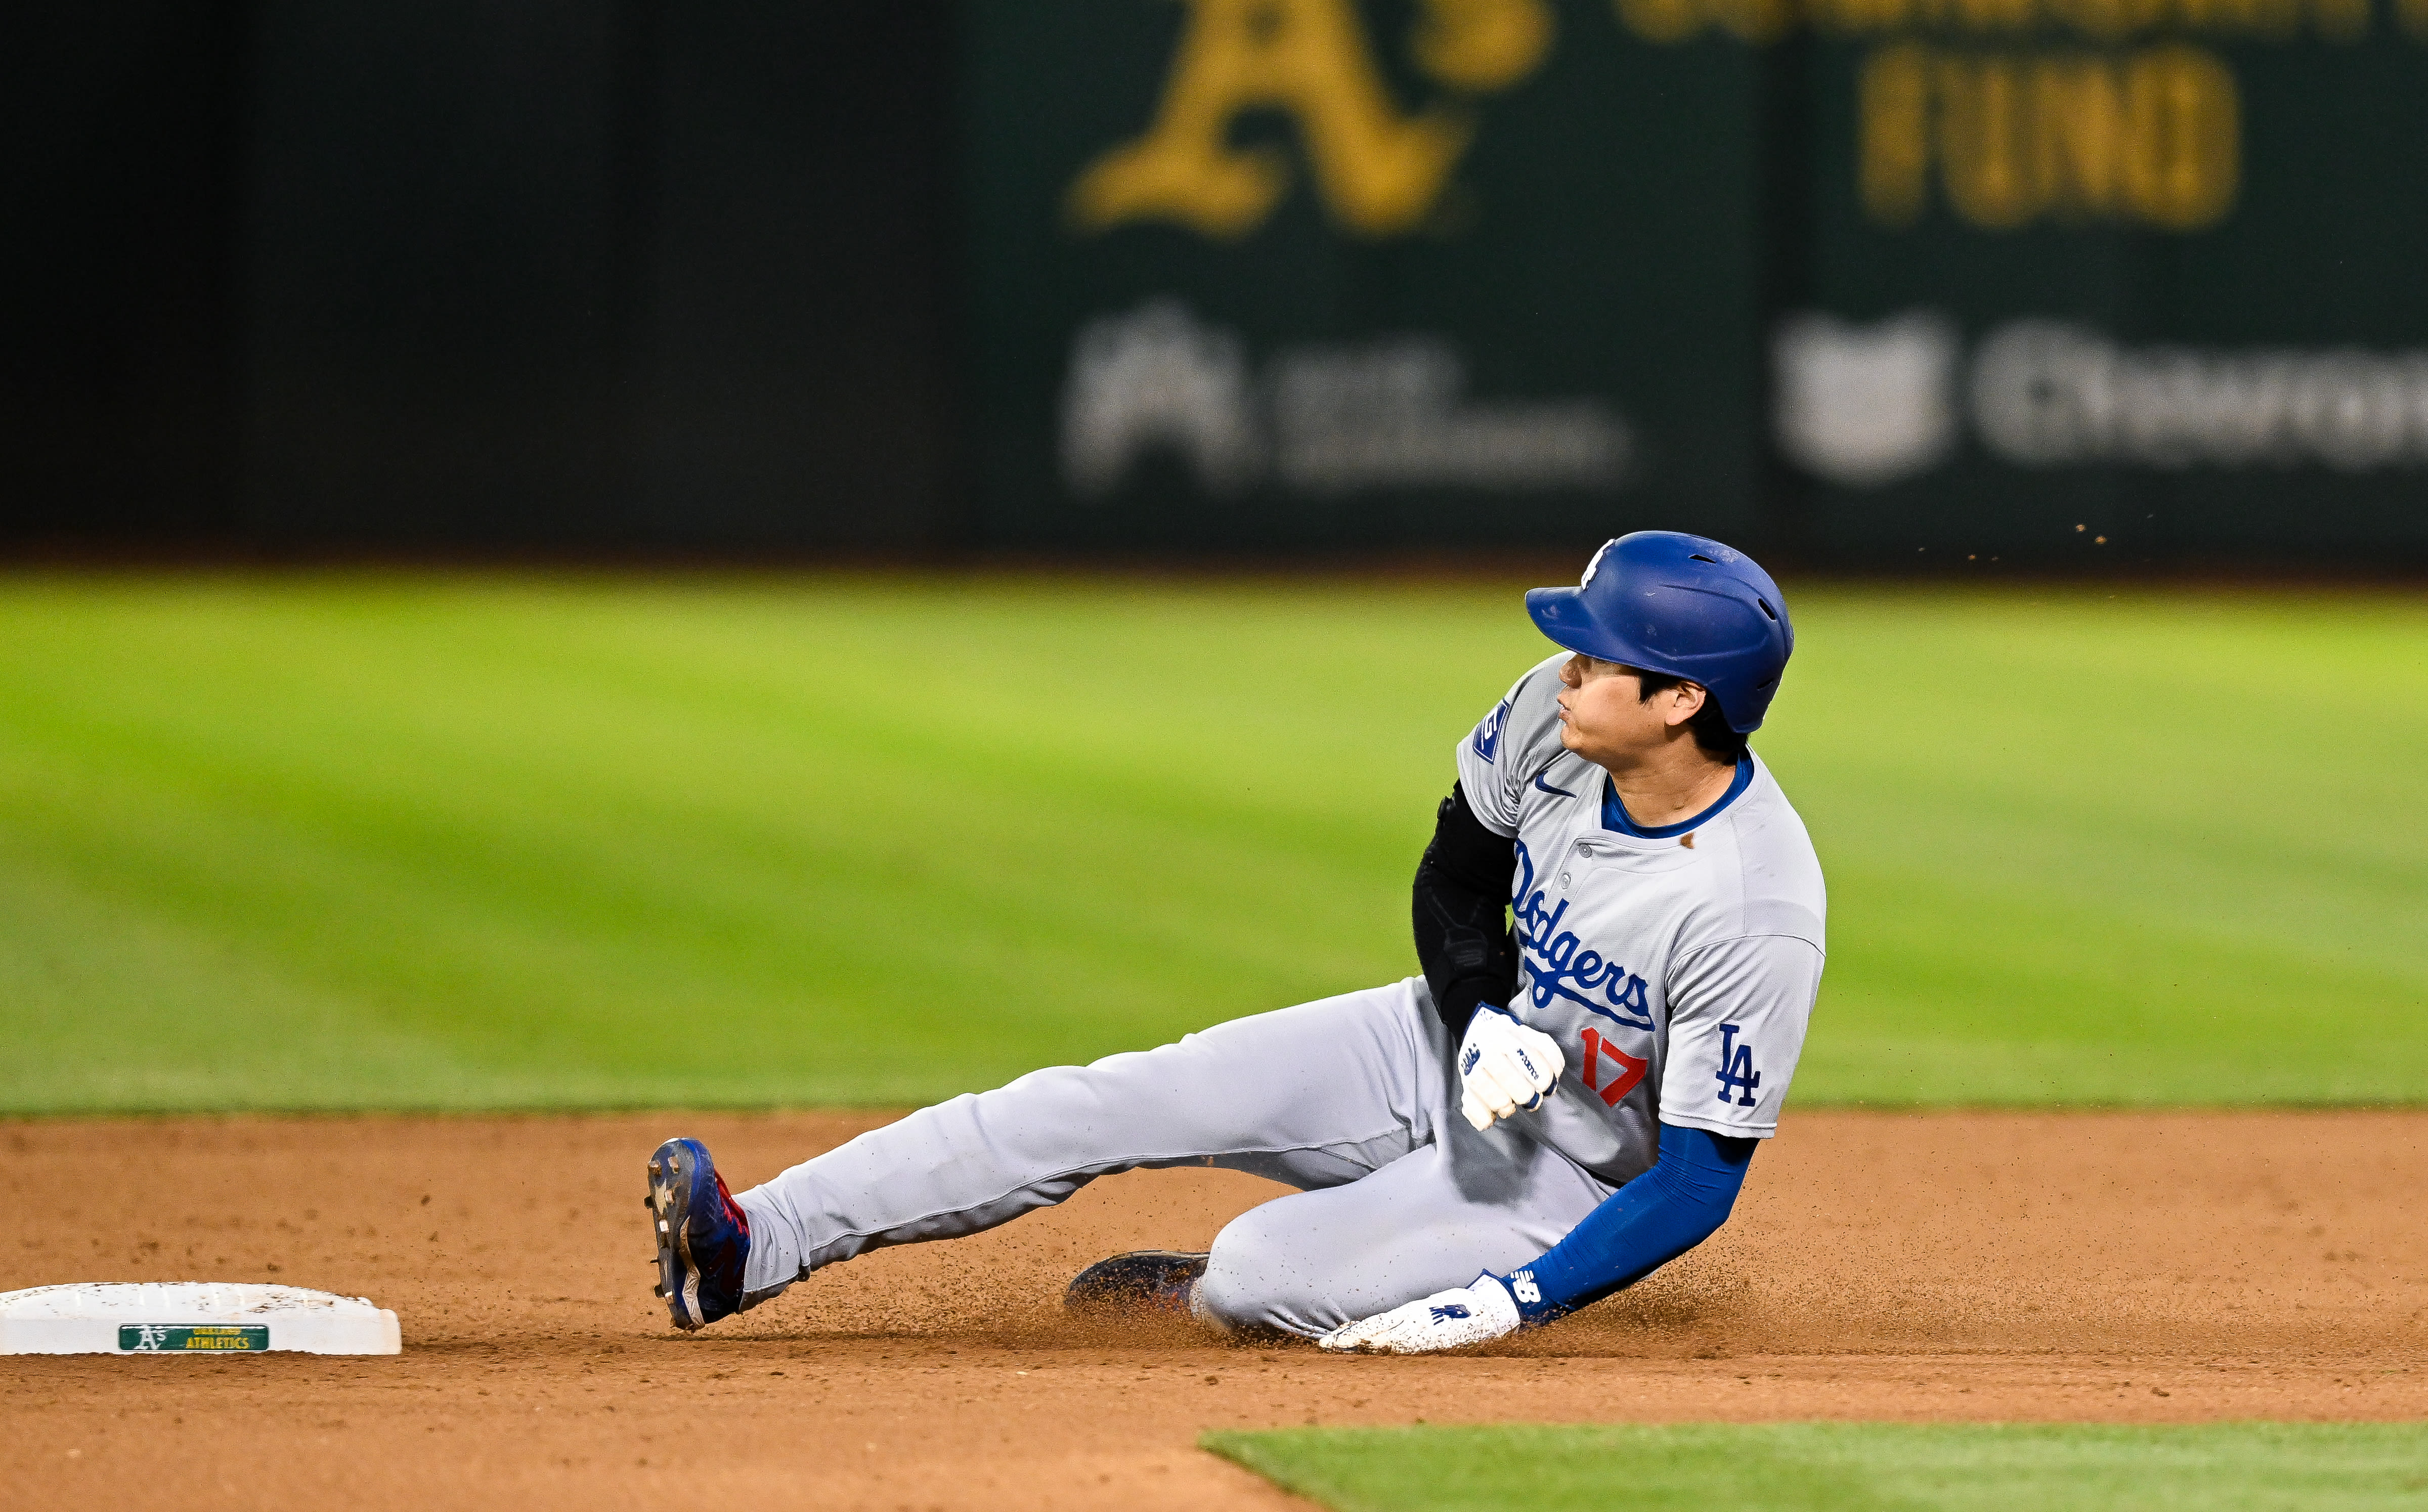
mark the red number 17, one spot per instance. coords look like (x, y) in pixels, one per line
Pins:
(1629, 1071)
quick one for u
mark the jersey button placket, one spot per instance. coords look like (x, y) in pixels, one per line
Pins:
(1584, 852)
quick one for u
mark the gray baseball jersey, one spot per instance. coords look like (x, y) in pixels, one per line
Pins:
(1676, 967)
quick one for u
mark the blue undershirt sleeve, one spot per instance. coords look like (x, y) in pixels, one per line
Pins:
(1643, 1225)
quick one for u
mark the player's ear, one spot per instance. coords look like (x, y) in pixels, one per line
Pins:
(1685, 701)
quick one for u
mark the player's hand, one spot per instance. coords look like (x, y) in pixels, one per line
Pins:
(1505, 1065)
(1477, 1314)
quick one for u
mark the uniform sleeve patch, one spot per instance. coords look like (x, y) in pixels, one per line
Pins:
(1487, 734)
(1737, 1073)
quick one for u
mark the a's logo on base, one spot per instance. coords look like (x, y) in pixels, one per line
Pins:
(164, 1338)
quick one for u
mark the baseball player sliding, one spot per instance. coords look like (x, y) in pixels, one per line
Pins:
(1549, 1113)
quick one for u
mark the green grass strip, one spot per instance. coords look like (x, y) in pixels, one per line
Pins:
(406, 840)
(1830, 1467)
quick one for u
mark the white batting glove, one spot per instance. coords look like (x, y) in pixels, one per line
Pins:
(1477, 1314)
(1505, 1065)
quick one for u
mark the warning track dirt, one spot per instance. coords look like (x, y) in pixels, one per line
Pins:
(2128, 1267)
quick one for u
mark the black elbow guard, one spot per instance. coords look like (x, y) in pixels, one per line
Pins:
(1461, 915)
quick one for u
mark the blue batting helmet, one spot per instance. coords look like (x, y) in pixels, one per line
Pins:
(1682, 605)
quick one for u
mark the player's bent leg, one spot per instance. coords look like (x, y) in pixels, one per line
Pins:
(1314, 1095)
(1309, 1263)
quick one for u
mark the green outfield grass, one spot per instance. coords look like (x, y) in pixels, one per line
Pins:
(1821, 1467)
(339, 840)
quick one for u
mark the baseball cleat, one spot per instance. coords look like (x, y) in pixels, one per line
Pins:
(1140, 1281)
(702, 1236)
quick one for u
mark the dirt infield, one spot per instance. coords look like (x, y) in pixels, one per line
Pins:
(2125, 1267)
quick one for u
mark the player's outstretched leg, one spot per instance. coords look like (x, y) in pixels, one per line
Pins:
(703, 1236)
(1326, 1093)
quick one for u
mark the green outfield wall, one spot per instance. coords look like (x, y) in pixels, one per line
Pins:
(2054, 280)
(1858, 283)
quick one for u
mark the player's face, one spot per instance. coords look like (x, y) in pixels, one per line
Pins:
(1605, 717)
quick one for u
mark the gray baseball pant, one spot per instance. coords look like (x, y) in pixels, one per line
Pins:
(1350, 1099)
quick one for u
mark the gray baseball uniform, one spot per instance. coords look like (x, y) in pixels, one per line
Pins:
(1676, 969)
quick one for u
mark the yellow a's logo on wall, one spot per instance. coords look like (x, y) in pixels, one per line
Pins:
(1377, 170)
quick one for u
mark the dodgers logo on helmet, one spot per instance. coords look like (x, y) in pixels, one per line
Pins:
(1682, 605)
(1594, 565)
